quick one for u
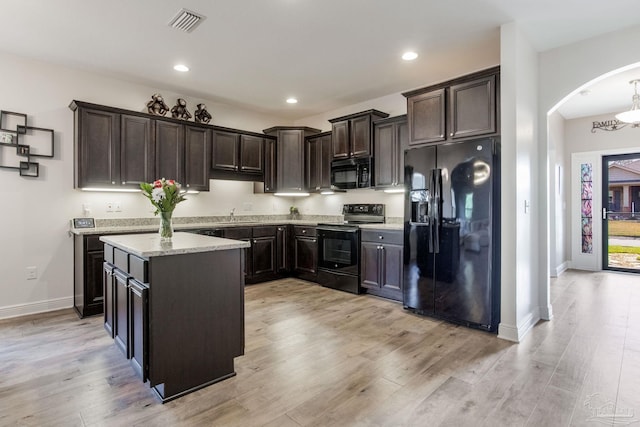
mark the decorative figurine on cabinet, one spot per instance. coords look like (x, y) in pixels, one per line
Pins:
(179, 111)
(157, 105)
(202, 115)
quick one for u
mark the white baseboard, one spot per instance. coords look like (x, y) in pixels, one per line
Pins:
(517, 333)
(560, 269)
(35, 307)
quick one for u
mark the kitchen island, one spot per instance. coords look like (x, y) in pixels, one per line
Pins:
(175, 310)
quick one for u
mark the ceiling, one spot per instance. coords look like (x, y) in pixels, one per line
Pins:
(327, 53)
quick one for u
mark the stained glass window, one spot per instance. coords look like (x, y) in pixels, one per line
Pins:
(586, 180)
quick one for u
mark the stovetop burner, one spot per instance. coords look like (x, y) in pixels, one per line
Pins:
(355, 214)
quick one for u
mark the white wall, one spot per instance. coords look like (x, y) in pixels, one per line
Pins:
(35, 212)
(558, 187)
(520, 305)
(583, 146)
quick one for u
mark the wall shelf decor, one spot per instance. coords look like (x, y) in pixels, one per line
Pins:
(19, 141)
(611, 125)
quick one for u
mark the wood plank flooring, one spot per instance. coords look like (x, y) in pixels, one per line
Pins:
(319, 357)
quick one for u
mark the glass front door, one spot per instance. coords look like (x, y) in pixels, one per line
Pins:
(621, 212)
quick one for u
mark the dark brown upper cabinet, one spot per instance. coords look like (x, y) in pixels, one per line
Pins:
(170, 151)
(270, 172)
(111, 149)
(235, 152)
(318, 155)
(457, 109)
(391, 138)
(116, 148)
(290, 159)
(352, 134)
(197, 154)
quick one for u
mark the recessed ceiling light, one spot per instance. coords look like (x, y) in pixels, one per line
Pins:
(292, 101)
(409, 56)
(181, 67)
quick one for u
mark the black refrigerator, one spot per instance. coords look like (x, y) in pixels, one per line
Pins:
(452, 232)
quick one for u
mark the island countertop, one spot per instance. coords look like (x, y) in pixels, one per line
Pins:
(149, 245)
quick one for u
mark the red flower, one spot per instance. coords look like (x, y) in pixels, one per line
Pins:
(157, 184)
(171, 182)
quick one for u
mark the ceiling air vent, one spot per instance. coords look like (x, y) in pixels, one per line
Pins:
(186, 20)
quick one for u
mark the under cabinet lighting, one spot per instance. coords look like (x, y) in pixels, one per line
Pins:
(112, 190)
(291, 194)
(394, 190)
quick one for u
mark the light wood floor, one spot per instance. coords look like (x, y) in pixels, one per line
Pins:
(318, 357)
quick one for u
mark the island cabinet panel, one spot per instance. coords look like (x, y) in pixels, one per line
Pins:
(183, 328)
(109, 291)
(137, 150)
(205, 320)
(170, 150)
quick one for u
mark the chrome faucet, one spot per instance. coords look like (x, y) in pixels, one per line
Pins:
(231, 217)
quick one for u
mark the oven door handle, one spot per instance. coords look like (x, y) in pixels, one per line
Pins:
(338, 229)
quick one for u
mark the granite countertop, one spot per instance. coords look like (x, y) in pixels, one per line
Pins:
(148, 245)
(386, 226)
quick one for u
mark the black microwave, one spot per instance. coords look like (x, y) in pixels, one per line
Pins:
(351, 173)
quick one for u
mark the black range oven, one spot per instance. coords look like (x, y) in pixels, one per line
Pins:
(339, 247)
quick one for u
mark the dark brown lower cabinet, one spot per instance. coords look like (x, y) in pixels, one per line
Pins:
(381, 263)
(87, 281)
(305, 253)
(109, 285)
(283, 261)
(263, 246)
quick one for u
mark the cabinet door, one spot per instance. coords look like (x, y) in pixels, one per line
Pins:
(472, 108)
(109, 290)
(360, 136)
(225, 151)
(290, 160)
(251, 154)
(170, 151)
(340, 139)
(306, 255)
(93, 286)
(137, 152)
(121, 312)
(282, 249)
(385, 155)
(324, 159)
(312, 164)
(370, 265)
(391, 260)
(138, 318)
(270, 161)
(264, 256)
(426, 115)
(197, 155)
(98, 149)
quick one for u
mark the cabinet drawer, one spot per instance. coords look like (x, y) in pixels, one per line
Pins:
(108, 253)
(264, 231)
(382, 236)
(121, 259)
(237, 233)
(139, 268)
(300, 230)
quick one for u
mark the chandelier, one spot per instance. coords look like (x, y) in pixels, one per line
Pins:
(633, 115)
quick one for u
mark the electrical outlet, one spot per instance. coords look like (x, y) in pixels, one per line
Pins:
(109, 206)
(32, 273)
(86, 209)
(117, 207)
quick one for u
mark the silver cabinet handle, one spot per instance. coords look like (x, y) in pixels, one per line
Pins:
(380, 237)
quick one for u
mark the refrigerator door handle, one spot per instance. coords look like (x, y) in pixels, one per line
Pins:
(436, 180)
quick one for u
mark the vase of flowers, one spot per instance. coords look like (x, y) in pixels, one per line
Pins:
(164, 195)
